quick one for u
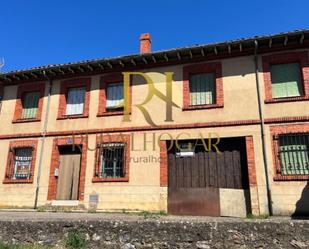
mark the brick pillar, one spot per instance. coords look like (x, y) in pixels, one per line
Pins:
(145, 43)
(252, 176)
(163, 164)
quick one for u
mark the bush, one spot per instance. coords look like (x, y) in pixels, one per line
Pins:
(75, 240)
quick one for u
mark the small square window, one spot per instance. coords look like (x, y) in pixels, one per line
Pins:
(114, 97)
(286, 80)
(30, 105)
(293, 154)
(75, 101)
(111, 160)
(202, 89)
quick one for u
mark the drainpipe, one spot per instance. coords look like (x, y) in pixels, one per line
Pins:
(261, 115)
(43, 141)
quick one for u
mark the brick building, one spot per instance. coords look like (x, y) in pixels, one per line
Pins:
(67, 139)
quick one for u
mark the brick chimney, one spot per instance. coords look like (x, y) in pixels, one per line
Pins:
(145, 43)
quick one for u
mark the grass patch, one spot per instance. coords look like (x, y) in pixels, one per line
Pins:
(41, 209)
(75, 240)
(92, 211)
(163, 213)
(153, 215)
(261, 216)
(11, 246)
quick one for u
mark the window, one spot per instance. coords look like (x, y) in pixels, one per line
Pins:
(29, 102)
(30, 105)
(74, 98)
(21, 161)
(114, 99)
(286, 76)
(286, 80)
(111, 96)
(202, 86)
(75, 101)
(202, 89)
(22, 158)
(294, 154)
(111, 160)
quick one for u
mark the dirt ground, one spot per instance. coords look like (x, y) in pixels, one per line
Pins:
(32, 215)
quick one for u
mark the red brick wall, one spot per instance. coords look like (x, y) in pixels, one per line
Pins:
(214, 67)
(163, 164)
(285, 129)
(64, 88)
(21, 91)
(9, 165)
(113, 138)
(251, 161)
(52, 188)
(300, 57)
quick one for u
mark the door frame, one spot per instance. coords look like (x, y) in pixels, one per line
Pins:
(78, 142)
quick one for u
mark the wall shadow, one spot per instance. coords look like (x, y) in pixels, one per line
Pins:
(302, 205)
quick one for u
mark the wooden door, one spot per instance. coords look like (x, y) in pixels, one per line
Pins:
(68, 179)
(192, 189)
(194, 181)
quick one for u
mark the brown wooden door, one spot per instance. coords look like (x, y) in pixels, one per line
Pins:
(194, 181)
(68, 179)
(191, 189)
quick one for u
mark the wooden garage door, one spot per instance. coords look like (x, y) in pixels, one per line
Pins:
(194, 181)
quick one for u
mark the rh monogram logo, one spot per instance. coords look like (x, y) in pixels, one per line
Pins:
(152, 91)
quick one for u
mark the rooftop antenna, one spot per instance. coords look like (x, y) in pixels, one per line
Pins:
(2, 62)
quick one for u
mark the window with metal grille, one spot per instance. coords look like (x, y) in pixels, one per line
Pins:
(20, 164)
(114, 97)
(294, 154)
(111, 160)
(30, 105)
(202, 89)
(286, 80)
(75, 101)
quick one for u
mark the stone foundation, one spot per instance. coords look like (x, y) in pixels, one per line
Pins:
(136, 231)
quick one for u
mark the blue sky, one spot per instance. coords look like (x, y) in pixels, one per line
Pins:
(41, 32)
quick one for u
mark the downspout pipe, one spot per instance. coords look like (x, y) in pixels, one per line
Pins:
(50, 86)
(261, 116)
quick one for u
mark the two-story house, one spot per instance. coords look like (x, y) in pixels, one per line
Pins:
(217, 129)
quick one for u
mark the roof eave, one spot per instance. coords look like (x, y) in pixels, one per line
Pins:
(173, 56)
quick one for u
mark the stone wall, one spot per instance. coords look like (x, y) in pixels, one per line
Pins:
(162, 232)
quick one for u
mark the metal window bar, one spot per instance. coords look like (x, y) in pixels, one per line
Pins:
(112, 160)
(293, 154)
(21, 160)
